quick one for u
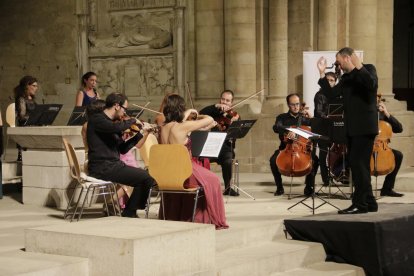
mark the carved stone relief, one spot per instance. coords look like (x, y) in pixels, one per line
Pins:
(131, 46)
(139, 77)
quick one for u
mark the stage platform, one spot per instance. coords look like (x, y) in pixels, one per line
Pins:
(379, 242)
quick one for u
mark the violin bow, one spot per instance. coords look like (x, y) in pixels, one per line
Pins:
(142, 110)
(148, 109)
(251, 96)
(187, 88)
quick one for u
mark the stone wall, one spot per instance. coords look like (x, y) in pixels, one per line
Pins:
(39, 38)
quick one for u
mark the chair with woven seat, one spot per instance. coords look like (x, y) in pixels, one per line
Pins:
(88, 185)
(170, 166)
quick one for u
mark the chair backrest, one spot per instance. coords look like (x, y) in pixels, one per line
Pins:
(170, 166)
(144, 151)
(75, 170)
(11, 115)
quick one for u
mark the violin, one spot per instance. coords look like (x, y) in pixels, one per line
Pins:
(296, 158)
(226, 119)
(382, 158)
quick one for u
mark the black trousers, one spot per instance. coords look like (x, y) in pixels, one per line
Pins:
(120, 173)
(389, 181)
(323, 153)
(310, 178)
(225, 160)
(360, 149)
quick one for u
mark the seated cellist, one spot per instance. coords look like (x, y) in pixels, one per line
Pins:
(388, 186)
(294, 117)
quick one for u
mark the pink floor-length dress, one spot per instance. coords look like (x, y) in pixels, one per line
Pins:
(210, 207)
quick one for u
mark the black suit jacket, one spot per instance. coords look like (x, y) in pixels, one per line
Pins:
(359, 91)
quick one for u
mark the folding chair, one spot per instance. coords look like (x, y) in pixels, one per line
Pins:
(88, 184)
(170, 165)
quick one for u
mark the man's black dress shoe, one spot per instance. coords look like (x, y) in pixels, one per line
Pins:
(373, 208)
(352, 210)
(231, 192)
(391, 194)
(308, 191)
(129, 213)
(279, 192)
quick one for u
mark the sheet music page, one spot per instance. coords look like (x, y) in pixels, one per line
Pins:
(213, 144)
(302, 132)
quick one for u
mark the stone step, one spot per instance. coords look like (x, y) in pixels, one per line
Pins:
(125, 246)
(324, 269)
(35, 264)
(11, 172)
(267, 257)
(241, 236)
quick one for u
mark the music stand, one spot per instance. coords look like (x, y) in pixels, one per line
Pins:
(43, 115)
(315, 138)
(78, 116)
(237, 130)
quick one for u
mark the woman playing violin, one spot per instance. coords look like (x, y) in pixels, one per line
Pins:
(226, 155)
(283, 121)
(176, 130)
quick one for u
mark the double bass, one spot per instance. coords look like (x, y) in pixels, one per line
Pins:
(296, 159)
(382, 158)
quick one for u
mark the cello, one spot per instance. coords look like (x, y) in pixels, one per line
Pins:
(382, 158)
(296, 159)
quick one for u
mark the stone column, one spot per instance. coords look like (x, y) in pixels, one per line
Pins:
(209, 48)
(82, 13)
(384, 46)
(240, 46)
(179, 46)
(363, 28)
(278, 49)
(327, 25)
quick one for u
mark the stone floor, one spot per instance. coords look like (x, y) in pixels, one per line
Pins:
(241, 211)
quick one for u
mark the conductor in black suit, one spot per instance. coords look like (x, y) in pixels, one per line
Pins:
(358, 86)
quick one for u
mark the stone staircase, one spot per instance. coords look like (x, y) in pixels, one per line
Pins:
(118, 246)
(262, 249)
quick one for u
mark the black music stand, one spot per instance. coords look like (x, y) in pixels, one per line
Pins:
(237, 130)
(78, 116)
(43, 115)
(315, 138)
(199, 142)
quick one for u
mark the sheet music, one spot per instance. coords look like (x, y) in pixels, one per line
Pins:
(213, 144)
(302, 132)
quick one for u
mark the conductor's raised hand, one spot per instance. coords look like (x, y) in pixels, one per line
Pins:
(322, 64)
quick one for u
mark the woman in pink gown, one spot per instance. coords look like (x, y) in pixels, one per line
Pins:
(176, 130)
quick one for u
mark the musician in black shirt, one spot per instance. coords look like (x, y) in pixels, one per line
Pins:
(283, 121)
(388, 186)
(226, 155)
(104, 136)
(321, 111)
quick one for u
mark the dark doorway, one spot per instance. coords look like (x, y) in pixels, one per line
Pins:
(403, 52)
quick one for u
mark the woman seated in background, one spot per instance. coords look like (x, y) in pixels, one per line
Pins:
(176, 130)
(87, 93)
(24, 95)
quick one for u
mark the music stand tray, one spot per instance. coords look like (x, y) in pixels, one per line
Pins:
(239, 129)
(43, 114)
(78, 116)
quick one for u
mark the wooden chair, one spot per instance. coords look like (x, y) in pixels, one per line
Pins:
(88, 184)
(144, 151)
(170, 166)
(11, 122)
